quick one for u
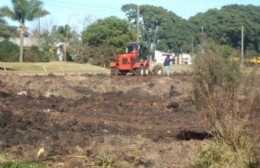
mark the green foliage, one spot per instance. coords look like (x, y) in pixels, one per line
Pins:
(224, 25)
(224, 51)
(60, 34)
(22, 11)
(33, 54)
(101, 55)
(163, 30)
(21, 165)
(159, 28)
(213, 71)
(7, 31)
(9, 51)
(217, 154)
(111, 31)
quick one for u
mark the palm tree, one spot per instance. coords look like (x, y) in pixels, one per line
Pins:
(24, 10)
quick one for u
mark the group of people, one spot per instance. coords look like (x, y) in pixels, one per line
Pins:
(166, 64)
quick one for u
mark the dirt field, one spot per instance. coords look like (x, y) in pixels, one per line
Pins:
(86, 120)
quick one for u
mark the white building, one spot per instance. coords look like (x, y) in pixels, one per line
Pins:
(159, 56)
(185, 58)
(27, 41)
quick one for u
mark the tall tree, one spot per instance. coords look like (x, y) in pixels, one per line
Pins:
(150, 20)
(160, 29)
(224, 25)
(6, 31)
(110, 31)
(105, 38)
(22, 11)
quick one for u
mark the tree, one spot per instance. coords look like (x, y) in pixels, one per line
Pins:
(159, 28)
(175, 34)
(7, 31)
(58, 34)
(24, 10)
(8, 51)
(105, 38)
(224, 25)
(111, 31)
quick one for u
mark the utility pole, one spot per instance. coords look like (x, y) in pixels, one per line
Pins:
(191, 46)
(242, 45)
(137, 23)
(39, 31)
(202, 33)
(39, 28)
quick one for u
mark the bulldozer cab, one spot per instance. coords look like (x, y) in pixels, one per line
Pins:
(139, 47)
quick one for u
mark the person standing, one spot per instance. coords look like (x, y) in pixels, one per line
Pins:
(167, 62)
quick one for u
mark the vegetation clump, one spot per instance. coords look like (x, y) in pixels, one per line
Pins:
(9, 51)
(226, 96)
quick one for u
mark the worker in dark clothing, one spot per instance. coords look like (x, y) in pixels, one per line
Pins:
(167, 62)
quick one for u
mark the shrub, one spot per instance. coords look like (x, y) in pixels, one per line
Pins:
(218, 154)
(226, 96)
(100, 56)
(9, 52)
(33, 54)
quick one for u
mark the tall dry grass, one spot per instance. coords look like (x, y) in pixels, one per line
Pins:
(227, 96)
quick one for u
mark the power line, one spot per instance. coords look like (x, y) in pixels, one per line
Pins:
(78, 6)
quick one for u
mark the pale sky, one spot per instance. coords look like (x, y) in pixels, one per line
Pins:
(73, 12)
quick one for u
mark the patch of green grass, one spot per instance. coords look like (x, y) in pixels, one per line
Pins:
(50, 67)
(217, 154)
(18, 164)
(8, 162)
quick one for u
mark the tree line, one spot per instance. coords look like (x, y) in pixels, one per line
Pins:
(159, 28)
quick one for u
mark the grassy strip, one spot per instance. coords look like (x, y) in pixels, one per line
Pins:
(50, 67)
(66, 68)
(21, 165)
(6, 162)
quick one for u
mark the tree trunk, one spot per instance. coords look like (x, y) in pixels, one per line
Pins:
(21, 41)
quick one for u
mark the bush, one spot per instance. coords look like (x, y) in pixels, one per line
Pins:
(218, 154)
(227, 98)
(9, 52)
(33, 54)
(100, 56)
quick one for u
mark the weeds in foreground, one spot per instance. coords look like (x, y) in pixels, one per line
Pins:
(105, 161)
(136, 150)
(226, 96)
(218, 154)
(18, 164)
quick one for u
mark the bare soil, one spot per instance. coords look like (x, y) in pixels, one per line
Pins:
(81, 120)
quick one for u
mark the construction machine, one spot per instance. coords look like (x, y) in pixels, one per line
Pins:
(255, 61)
(134, 61)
